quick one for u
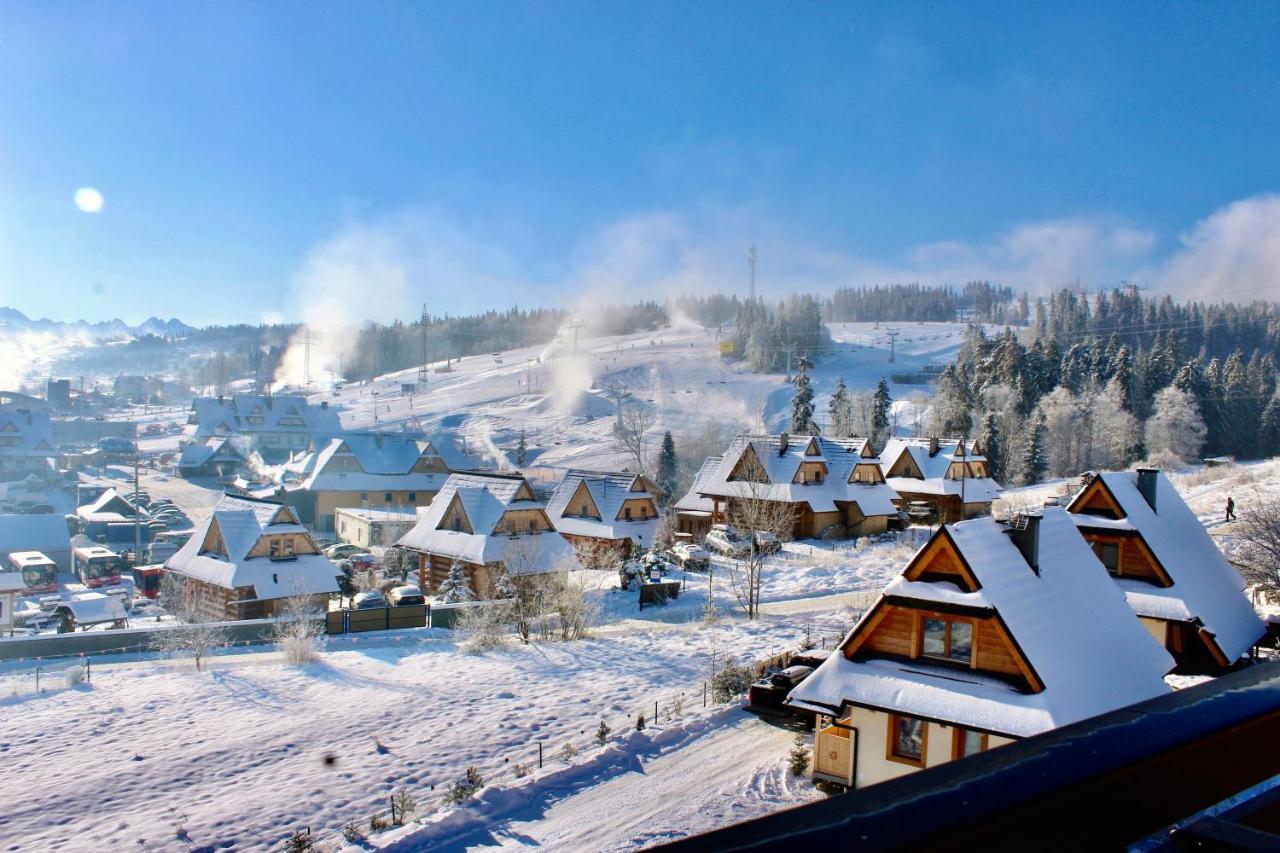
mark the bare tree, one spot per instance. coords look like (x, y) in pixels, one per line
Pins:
(1257, 545)
(193, 633)
(751, 514)
(630, 437)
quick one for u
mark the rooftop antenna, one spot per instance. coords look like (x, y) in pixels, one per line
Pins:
(422, 369)
(751, 262)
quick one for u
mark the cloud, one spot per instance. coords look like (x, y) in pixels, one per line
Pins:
(1235, 250)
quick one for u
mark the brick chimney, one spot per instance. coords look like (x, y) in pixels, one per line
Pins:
(933, 446)
(784, 442)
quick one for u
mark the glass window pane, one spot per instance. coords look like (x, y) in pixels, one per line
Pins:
(909, 742)
(971, 744)
(935, 637)
(961, 641)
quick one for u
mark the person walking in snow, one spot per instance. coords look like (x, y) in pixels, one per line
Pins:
(1231, 509)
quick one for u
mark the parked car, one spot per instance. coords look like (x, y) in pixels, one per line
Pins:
(920, 511)
(341, 551)
(370, 600)
(154, 429)
(728, 541)
(767, 694)
(767, 543)
(690, 555)
(158, 552)
(363, 561)
(404, 596)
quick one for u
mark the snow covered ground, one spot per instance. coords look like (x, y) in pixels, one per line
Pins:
(559, 396)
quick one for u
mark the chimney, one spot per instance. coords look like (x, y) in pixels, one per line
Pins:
(933, 446)
(1147, 485)
(324, 404)
(785, 440)
(1024, 530)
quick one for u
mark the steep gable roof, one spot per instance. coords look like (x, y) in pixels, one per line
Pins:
(1204, 583)
(912, 454)
(1067, 620)
(607, 493)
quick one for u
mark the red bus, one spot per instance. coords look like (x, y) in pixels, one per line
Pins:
(39, 573)
(96, 566)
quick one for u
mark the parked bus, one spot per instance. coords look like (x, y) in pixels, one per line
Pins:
(96, 566)
(39, 573)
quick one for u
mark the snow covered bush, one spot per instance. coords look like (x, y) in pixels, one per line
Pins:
(193, 634)
(1175, 426)
(465, 787)
(568, 752)
(455, 589)
(352, 834)
(521, 769)
(640, 723)
(485, 625)
(299, 629)
(798, 758)
(402, 805)
(602, 733)
(730, 682)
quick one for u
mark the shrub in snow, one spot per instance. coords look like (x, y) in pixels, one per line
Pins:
(299, 842)
(485, 626)
(677, 705)
(806, 642)
(521, 769)
(798, 759)
(602, 733)
(299, 628)
(465, 787)
(352, 833)
(730, 682)
(455, 589)
(640, 723)
(377, 823)
(402, 805)
(568, 752)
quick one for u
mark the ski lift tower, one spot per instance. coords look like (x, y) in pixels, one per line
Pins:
(893, 339)
(422, 368)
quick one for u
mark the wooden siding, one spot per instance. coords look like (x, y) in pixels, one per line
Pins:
(455, 517)
(894, 633)
(582, 505)
(939, 559)
(1097, 498)
(1135, 558)
(641, 509)
(810, 472)
(302, 544)
(523, 521)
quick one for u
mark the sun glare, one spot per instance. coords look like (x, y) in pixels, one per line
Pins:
(89, 200)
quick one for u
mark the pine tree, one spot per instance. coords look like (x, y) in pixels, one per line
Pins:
(522, 451)
(1033, 462)
(668, 466)
(455, 588)
(839, 411)
(802, 404)
(989, 441)
(1175, 426)
(880, 414)
(1269, 429)
(798, 758)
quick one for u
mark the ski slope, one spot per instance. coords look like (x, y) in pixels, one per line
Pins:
(558, 395)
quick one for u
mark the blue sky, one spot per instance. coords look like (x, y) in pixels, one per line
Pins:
(471, 155)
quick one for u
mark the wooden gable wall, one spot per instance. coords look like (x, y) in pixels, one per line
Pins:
(455, 511)
(748, 468)
(941, 560)
(582, 505)
(1096, 499)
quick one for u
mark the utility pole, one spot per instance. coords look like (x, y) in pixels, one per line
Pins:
(422, 370)
(751, 262)
(893, 339)
(137, 515)
(575, 325)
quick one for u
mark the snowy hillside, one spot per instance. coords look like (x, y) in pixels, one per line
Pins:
(560, 397)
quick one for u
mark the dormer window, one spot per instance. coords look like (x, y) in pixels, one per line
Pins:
(947, 639)
(626, 513)
(280, 548)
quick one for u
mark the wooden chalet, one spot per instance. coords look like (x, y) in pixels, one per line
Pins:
(949, 475)
(490, 523)
(991, 633)
(1172, 574)
(247, 557)
(694, 510)
(830, 485)
(599, 513)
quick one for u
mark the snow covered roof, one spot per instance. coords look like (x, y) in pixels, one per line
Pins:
(1209, 588)
(46, 533)
(24, 432)
(933, 469)
(780, 465)
(693, 501)
(606, 494)
(109, 503)
(1068, 620)
(241, 523)
(200, 453)
(485, 498)
(375, 462)
(254, 413)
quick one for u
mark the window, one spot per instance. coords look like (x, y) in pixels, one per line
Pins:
(533, 526)
(947, 639)
(626, 513)
(456, 524)
(1109, 555)
(280, 548)
(364, 496)
(413, 497)
(967, 743)
(387, 497)
(907, 738)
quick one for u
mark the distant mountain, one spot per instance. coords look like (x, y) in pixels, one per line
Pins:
(11, 319)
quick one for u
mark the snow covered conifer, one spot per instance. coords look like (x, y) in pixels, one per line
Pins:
(802, 404)
(798, 758)
(839, 411)
(522, 451)
(1269, 429)
(668, 467)
(1033, 462)
(880, 414)
(455, 588)
(989, 441)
